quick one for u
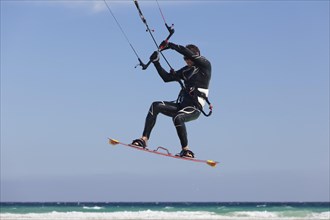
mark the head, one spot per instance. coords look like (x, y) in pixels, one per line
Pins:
(193, 48)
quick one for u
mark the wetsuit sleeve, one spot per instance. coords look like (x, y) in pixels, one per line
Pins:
(167, 77)
(197, 59)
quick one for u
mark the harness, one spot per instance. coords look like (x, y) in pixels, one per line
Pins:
(194, 93)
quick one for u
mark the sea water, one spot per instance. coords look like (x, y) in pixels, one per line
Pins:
(165, 210)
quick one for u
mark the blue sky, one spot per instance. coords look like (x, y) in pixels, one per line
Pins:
(68, 83)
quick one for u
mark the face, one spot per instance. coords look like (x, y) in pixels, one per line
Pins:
(188, 61)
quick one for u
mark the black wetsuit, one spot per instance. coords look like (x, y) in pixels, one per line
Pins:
(187, 107)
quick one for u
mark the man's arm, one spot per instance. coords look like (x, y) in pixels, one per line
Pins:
(197, 59)
(167, 77)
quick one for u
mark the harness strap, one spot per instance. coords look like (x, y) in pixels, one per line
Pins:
(195, 93)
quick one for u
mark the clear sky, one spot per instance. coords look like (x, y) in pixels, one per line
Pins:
(68, 83)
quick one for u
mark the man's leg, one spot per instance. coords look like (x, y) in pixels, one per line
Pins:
(167, 108)
(184, 115)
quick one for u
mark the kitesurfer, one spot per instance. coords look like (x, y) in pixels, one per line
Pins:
(196, 75)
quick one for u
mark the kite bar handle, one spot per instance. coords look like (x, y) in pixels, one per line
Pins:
(163, 148)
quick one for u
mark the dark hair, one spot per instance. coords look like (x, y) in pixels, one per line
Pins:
(194, 49)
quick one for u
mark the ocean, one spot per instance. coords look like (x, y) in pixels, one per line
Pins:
(165, 210)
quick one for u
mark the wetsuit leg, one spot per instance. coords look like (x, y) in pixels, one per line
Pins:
(167, 108)
(186, 114)
(179, 117)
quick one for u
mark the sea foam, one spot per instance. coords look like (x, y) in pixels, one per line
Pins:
(160, 215)
(93, 208)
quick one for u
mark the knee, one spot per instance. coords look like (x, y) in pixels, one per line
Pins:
(178, 120)
(154, 108)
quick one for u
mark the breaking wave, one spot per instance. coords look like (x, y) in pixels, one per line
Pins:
(164, 215)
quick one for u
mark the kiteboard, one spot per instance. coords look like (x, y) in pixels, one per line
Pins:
(166, 153)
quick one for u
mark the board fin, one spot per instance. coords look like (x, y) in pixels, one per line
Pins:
(211, 163)
(113, 141)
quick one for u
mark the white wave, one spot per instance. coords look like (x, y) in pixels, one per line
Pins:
(278, 215)
(94, 208)
(169, 207)
(256, 214)
(148, 215)
(322, 215)
(159, 215)
(221, 207)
